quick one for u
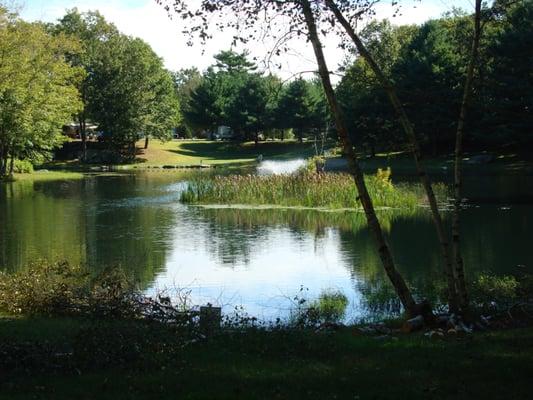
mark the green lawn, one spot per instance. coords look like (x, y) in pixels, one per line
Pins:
(148, 361)
(195, 152)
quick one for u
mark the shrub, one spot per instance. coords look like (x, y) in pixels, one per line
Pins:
(495, 292)
(23, 167)
(330, 307)
(44, 289)
(64, 289)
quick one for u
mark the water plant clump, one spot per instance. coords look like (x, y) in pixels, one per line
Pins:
(304, 189)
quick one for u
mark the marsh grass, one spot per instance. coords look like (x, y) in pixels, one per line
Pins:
(305, 189)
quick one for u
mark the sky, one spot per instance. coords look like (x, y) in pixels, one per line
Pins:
(149, 21)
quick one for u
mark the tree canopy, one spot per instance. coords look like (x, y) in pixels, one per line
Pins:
(38, 89)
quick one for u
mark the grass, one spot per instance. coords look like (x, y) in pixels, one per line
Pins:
(41, 176)
(256, 364)
(334, 191)
(195, 152)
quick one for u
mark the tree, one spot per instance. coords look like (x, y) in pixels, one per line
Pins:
(202, 110)
(373, 124)
(94, 33)
(37, 90)
(296, 107)
(131, 94)
(186, 81)
(231, 94)
(388, 86)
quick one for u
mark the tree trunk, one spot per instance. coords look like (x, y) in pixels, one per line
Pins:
(458, 178)
(146, 139)
(3, 165)
(83, 136)
(12, 166)
(384, 252)
(415, 150)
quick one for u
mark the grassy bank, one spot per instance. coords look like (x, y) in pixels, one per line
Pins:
(303, 189)
(61, 358)
(41, 176)
(205, 152)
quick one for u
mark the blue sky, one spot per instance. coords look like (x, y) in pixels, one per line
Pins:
(147, 20)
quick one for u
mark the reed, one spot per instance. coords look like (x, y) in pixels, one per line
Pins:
(303, 189)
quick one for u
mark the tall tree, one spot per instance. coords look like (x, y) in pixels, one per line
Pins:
(38, 91)
(186, 81)
(388, 86)
(132, 95)
(94, 33)
(458, 178)
(296, 107)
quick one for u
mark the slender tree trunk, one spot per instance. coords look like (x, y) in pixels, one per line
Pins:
(458, 178)
(384, 252)
(2, 160)
(12, 165)
(146, 139)
(415, 150)
(83, 136)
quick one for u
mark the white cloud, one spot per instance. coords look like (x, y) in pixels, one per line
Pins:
(149, 21)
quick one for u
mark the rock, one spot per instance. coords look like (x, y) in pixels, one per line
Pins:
(452, 332)
(367, 330)
(414, 324)
(434, 334)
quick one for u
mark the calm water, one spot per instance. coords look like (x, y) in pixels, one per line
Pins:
(259, 259)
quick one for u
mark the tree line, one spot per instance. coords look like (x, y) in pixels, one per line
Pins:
(232, 93)
(427, 64)
(83, 69)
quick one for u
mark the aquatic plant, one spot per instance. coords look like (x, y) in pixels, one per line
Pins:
(325, 190)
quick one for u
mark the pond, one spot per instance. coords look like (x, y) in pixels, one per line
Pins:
(259, 259)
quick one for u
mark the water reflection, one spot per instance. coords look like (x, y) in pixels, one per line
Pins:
(256, 258)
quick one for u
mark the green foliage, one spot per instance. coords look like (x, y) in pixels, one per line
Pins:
(64, 289)
(23, 167)
(126, 90)
(498, 289)
(232, 93)
(302, 190)
(131, 94)
(297, 108)
(38, 91)
(43, 289)
(330, 306)
(428, 63)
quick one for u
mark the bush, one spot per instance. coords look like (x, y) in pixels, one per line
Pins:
(329, 308)
(64, 289)
(44, 289)
(23, 167)
(495, 290)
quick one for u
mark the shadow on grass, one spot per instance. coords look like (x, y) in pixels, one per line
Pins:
(235, 151)
(287, 364)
